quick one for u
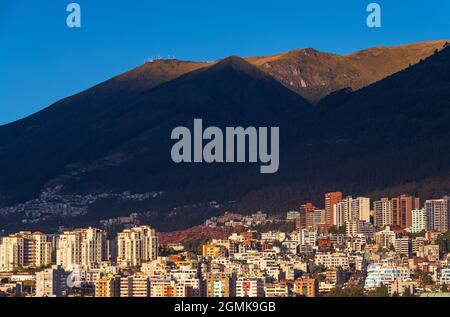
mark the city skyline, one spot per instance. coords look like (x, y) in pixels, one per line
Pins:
(309, 259)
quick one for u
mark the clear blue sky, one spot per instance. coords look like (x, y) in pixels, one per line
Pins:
(42, 60)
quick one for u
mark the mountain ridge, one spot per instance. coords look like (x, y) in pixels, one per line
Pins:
(116, 140)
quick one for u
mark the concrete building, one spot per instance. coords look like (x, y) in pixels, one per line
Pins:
(360, 209)
(108, 286)
(402, 208)
(385, 238)
(51, 282)
(219, 285)
(403, 246)
(137, 245)
(319, 218)
(292, 215)
(84, 247)
(277, 289)
(249, 287)
(306, 287)
(332, 260)
(383, 212)
(437, 211)
(418, 220)
(307, 237)
(357, 227)
(378, 274)
(445, 277)
(331, 199)
(25, 250)
(342, 211)
(135, 286)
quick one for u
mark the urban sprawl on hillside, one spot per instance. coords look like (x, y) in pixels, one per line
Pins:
(348, 247)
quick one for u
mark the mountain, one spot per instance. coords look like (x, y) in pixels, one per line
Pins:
(315, 74)
(388, 137)
(99, 141)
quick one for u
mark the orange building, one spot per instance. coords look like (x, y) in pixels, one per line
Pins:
(213, 250)
(306, 287)
(306, 218)
(330, 200)
(219, 285)
(402, 208)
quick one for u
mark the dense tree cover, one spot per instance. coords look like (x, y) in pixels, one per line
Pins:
(444, 242)
(352, 291)
(195, 246)
(423, 277)
(380, 291)
(285, 226)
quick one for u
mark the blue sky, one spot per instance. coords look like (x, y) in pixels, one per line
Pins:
(42, 60)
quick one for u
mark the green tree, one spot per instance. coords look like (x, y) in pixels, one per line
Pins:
(380, 291)
(407, 292)
(352, 291)
(391, 247)
(444, 242)
(423, 278)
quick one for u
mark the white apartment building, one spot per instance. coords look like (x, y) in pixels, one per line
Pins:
(307, 237)
(445, 277)
(350, 209)
(135, 286)
(137, 245)
(163, 287)
(361, 209)
(403, 246)
(272, 236)
(292, 215)
(319, 217)
(378, 274)
(332, 260)
(383, 212)
(25, 250)
(84, 247)
(249, 287)
(51, 282)
(419, 220)
(385, 238)
(357, 227)
(437, 211)
(342, 211)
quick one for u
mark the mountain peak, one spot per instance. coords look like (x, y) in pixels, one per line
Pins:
(238, 64)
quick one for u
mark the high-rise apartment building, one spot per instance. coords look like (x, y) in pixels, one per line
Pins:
(25, 250)
(137, 245)
(341, 212)
(51, 282)
(331, 199)
(402, 208)
(350, 209)
(437, 211)
(219, 285)
(360, 209)
(419, 220)
(306, 216)
(306, 287)
(84, 247)
(382, 212)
